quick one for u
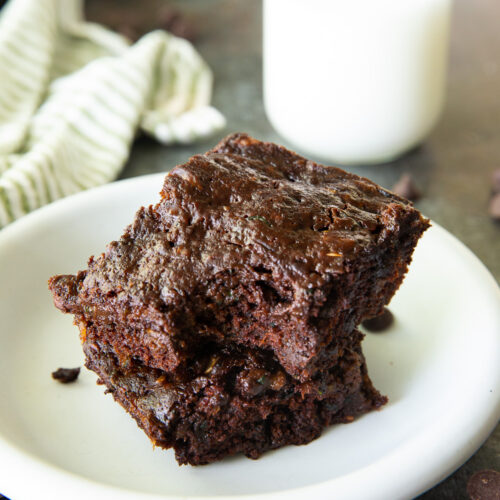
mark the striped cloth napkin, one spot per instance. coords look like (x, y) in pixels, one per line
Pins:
(74, 94)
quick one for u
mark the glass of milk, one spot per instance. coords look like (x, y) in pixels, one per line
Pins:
(355, 81)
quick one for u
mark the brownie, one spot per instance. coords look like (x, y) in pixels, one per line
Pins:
(234, 400)
(250, 244)
(224, 319)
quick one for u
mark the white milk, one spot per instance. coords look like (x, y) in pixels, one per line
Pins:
(355, 81)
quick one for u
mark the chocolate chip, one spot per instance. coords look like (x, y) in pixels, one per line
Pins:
(495, 181)
(379, 323)
(3, 497)
(66, 375)
(253, 382)
(406, 188)
(168, 16)
(484, 485)
(129, 31)
(494, 207)
(173, 21)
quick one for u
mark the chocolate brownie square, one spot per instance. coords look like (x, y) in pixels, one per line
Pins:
(224, 319)
(232, 399)
(250, 244)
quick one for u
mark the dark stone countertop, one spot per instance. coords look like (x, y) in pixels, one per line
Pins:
(453, 167)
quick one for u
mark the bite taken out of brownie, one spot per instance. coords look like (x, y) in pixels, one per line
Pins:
(250, 244)
(232, 399)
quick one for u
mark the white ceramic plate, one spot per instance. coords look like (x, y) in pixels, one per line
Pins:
(439, 364)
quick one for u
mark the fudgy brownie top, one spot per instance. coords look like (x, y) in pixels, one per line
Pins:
(255, 205)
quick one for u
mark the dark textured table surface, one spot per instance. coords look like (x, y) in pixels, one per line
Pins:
(453, 167)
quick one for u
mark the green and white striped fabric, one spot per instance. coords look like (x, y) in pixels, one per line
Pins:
(73, 95)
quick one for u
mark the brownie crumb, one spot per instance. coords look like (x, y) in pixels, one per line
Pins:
(484, 485)
(406, 188)
(494, 207)
(379, 323)
(66, 375)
